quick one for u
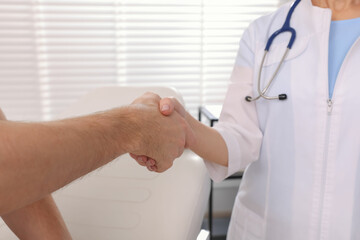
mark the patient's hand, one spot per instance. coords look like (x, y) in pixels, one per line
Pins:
(173, 134)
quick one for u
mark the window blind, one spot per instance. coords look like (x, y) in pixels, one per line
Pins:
(54, 51)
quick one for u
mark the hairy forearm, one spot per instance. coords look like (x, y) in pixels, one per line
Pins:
(38, 158)
(209, 143)
(40, 220)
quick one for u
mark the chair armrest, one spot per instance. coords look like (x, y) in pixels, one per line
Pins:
(203, 235)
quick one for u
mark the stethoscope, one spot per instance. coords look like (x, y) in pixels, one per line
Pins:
(285, 28)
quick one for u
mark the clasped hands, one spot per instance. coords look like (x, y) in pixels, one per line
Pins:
(167, 133)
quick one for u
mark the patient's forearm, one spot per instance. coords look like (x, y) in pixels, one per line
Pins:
(209, 143)
(40, 220)
(38, 158)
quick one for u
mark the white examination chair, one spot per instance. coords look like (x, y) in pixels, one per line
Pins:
(124, 200)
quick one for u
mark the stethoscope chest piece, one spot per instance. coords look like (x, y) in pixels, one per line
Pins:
(281, 97)
(285, 28)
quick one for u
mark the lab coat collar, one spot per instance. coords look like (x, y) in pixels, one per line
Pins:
(310, 19)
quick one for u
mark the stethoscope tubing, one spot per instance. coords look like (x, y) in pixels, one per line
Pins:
(265, 89)
(285, 28)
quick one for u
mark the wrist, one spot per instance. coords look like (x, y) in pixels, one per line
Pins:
(125, 125)
(194, 126)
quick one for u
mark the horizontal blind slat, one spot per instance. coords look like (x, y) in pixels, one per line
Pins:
(52, 52)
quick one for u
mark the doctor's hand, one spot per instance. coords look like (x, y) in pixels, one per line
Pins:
(171, 105)
(161, 139)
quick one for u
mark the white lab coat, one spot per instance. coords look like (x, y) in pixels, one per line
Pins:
(302, 156)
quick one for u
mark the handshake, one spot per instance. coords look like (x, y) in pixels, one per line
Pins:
(158, 131)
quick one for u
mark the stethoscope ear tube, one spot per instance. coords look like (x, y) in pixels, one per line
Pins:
(248, 98)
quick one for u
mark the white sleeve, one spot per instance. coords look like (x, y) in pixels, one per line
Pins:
(238, 124)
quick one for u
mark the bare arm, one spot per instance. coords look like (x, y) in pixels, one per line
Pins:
(40, 220)
(39, 158)
(209, 144)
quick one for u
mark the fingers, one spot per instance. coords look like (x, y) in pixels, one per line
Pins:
(143, 160)
(138, 159)
(152, 168)
(150, 163)
(168, 105)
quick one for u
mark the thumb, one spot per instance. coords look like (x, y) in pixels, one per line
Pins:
(166, 106)
(169, 105)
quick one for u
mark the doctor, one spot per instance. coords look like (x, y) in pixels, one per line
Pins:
(301, 154)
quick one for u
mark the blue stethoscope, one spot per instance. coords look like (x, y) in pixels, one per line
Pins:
(285, 28)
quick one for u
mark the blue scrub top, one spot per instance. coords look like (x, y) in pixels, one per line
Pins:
(343, 34)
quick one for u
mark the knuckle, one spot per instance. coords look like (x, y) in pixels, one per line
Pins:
(140, 163)
(152, 94)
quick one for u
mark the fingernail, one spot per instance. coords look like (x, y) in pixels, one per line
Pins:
(165, 107)
(140, 159)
